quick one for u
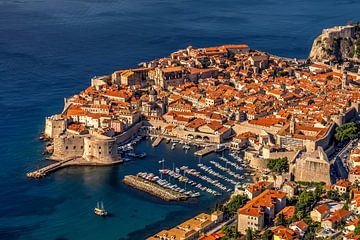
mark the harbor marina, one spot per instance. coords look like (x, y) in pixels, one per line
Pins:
(191, 175)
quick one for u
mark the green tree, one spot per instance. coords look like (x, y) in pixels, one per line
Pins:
(333, 195)
(357, 229)
(357, 48)
(280, 220)
(346, 132)
(230, 232)
(234, 204)
(268, 235)
(278, 165)
(249, 234)
(306, 201)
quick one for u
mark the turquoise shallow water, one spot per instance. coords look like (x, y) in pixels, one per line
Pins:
(50, 49)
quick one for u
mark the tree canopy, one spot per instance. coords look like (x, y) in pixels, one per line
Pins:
(346, 132)
(278, 165)
(357, 229)
(307, 200)
(230, 232)
(280, 220)
(235, 203)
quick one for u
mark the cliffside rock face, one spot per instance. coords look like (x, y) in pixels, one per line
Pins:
(337, 44)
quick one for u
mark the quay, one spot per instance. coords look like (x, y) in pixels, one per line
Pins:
(153, 189)
(205, 151)
(157, 141)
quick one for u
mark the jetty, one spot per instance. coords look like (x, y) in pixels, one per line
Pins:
(154, 189)
(42, 172)
(205, 151)
(157, 141)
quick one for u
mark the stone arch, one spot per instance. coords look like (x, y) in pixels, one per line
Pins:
(190, 136)
(206, 139)
(198, 137)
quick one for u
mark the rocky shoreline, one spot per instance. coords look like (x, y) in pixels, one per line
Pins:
(153, 189)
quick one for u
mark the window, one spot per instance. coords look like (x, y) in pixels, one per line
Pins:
(66, 147)
(74, 147)
(99, 153)
(99, 147)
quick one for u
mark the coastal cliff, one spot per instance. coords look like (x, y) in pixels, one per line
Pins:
(337, 44)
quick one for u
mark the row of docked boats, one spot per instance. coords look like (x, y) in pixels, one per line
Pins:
(165, 184)
(227, 170)
(238, 158)
(128, 149)
(235, 165)
(185, 147)
(181, 178)
(135, 155)
(130, 146)
(188, 144)
(210, 171)
(207, 179)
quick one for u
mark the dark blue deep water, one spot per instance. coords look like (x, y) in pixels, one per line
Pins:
(50, 49)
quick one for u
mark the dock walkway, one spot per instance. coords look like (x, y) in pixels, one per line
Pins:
(205, 151)
(42, 172)
(157, 141)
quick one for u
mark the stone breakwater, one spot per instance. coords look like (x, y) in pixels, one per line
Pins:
(153, 189)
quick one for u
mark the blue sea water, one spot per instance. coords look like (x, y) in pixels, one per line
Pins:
(50, 49)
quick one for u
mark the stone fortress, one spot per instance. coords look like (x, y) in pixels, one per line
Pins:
(91, 148)
(347, 31)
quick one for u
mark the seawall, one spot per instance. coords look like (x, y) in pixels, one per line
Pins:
(153, 189)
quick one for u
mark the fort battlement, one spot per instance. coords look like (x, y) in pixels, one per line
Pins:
(347, 31)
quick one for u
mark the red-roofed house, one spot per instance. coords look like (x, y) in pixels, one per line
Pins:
(320, 212)
(300, 227)
(261, 210)
(335, 218)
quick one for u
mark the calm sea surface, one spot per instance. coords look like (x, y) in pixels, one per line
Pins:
(50, 49)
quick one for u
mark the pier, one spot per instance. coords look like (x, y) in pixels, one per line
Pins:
(42, 172)
(157, 141)
(205, 151)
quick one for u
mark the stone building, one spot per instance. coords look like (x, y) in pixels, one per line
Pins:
(170, 76)
(153, 107)
(67, 146)
(347, 31)
(100, 149)
(261, 210)
(296, 136)
(313, 166)
(54, 126)
(320, 212)
(131, 77)
(90, 147)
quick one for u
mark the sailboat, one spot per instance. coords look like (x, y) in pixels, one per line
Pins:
(100, 210)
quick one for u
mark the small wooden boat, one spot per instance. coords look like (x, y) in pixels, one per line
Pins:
(100, 210)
